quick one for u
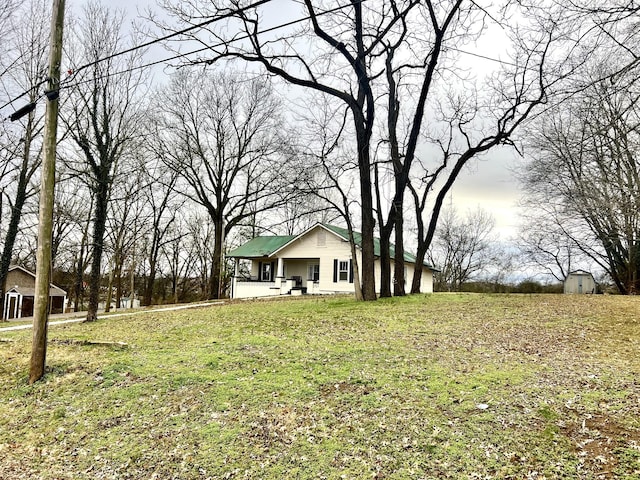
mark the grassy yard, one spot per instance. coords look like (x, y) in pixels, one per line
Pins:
(425, 387)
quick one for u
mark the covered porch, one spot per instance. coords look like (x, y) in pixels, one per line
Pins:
(19, 302)
(268, 277)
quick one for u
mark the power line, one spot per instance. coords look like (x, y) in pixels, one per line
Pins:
(26, 92)
(228, 14)
(483, 57)
(246, 36)
(208, 47)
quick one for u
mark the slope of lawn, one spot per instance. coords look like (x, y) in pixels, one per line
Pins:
(423, 387)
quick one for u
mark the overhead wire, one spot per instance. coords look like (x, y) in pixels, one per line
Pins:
(26, 92)
(208, 47)
(245, 37)
(216, 18)
(228, 14)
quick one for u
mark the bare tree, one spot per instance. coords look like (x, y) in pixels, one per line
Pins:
(21, 158)
(346, 41)
(364, 53)
(7, 11)
(466, 126)
(72, 223)
(127, 218)
(188, 255)
(332, 170)
(610, 28)
(545, 243)
(462, 247)
(160, 195)
(587, 175)
(224, 136)
(102, 118)
(411, 76)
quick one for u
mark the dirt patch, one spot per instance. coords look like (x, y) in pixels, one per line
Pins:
(597, 440)
(344, 387)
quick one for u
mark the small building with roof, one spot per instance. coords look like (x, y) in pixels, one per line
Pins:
(20, 288)
(317, 261)
(579, 281)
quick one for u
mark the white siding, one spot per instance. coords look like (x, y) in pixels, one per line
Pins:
(579, 283)
(323, 249)
(426, 285)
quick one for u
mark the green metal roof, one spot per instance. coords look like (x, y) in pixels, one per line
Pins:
(265, 246)
(357, 237)
(261, 246)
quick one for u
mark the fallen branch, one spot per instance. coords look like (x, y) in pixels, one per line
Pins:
(90, 342)
(101, 342)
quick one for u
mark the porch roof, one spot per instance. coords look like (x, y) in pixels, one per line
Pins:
(260, 246)
(30, 292)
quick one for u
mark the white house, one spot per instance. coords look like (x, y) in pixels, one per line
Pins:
(579, 281)
(318, 261)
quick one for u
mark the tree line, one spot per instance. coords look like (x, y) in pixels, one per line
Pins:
(363, 113)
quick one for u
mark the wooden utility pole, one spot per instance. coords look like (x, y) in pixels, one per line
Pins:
(45, 227)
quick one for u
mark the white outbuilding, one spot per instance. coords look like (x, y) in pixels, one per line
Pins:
(579, 281)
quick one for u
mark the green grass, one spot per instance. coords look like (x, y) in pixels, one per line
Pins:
(424, 387)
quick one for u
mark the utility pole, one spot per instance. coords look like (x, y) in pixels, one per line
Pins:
(45, 227)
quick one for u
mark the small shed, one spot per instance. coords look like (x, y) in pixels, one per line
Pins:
(579, 281)
(20, 293)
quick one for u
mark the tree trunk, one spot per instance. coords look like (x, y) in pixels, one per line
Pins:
(107, 303)
(368, 222)
(216, 261)
(417, 273)
(148, 291)
(385, 234)
(153, 261)
(79, 275)
(77, 288)
(174, 288)
(385, 264)
(356, 273)
(16, 211)
(399, 280)
(99, 227)
(132, 285)
(368, 254)
(118, 281)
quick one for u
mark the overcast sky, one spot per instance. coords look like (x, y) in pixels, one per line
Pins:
(491, 184)
(487, 182)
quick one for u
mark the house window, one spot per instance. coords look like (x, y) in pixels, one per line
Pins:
(265, 274)
(343, 271)
(314, 272)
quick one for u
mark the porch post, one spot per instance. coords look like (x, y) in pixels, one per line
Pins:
(280, 274)
(280, 271)
(234, 279)
(17, 313)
